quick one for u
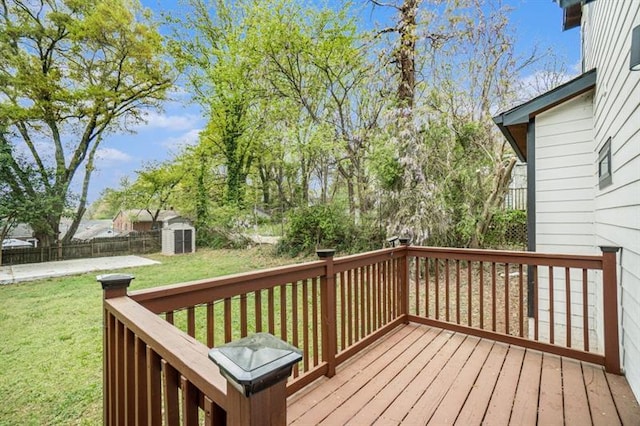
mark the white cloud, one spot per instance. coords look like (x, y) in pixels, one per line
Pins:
(111, 156)
(176, 143)
(168, 122)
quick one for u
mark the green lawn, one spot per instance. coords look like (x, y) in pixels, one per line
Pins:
(51, 335)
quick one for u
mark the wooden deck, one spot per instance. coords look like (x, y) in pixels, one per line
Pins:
(425, 375)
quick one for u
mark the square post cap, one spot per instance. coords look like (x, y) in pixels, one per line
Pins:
(114, 281)
(325, 253)
(405, 241)
(256, 362)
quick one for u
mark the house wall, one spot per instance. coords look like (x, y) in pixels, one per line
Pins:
(565, 211)
(606, 27)
(121, 223)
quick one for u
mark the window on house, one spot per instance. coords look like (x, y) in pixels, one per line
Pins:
(604, 165)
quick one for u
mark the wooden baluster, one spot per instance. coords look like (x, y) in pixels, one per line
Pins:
(551, 308)
(211, 325)
(294, 321)
(457, 291)
(129, 376)
(190, 402)
(567, 279)
(356, 305)
(363, 304)
(227, 320)
(258, 310)
(343, 310)
(191, 321)
(305, 325)
(417, 287)
(154, 389)
(521, 299)
(481, 291)
(271, 311)
(168, 316)
(314, 305)
(507, 300)
(283, 312)
(536, 318)
(585, 310)
(349, 318)
(469, 294)
(446, 289)
(171, 402)
(141, 390)
(437, 287)
(243, 315)
(369, 299)
(426, 286)
(493, 296)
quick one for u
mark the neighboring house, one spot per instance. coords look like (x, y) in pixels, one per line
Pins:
(91, 229)
(23, 231)
(581, 143)
(140, 220)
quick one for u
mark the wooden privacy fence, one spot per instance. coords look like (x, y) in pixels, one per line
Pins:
(138, 243)
(156, 340)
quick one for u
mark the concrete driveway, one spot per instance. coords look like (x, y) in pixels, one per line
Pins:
(35, 271)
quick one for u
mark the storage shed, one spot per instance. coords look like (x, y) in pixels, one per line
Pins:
(178, 236)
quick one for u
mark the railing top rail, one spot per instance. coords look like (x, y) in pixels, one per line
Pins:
(356, 260)
(515, 257)
(183, 352)
(177, 296)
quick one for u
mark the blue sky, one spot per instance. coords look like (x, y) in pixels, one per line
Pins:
(537, 21)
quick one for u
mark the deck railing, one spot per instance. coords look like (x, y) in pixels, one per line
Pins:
(333, 308)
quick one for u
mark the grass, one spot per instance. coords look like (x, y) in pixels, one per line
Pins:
(51, 335)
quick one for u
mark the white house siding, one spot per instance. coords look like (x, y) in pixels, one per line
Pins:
(565, 212)
(607, 29)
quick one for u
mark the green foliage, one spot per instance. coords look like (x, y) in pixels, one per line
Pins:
(225, 228)
(508, 229)
(70, 72)
(327, 226)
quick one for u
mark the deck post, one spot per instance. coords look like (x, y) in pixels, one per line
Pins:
(403, 290)
(610, 296)
(113, 285)
(256, 368)
(328, 312)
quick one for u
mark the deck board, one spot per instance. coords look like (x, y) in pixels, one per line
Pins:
(551, 411)
(425, 375)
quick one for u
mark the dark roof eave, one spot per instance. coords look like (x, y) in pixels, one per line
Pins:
(498, 119)
(522, 113)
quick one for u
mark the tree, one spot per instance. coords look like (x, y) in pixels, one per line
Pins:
(452, 168)
(70, 73)
(210, 48)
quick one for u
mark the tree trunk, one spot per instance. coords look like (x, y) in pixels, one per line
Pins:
(501, 181)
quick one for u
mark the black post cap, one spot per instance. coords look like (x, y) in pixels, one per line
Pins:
(324, 253)
(405, 241)
(256, 362)
(609, 249)
(114, 281)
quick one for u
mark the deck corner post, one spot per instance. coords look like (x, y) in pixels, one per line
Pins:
(328, 312)
(403, 288)
(256, 368)
(610, 296)
(113, 285)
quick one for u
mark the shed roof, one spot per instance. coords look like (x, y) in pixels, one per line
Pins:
(514, 123)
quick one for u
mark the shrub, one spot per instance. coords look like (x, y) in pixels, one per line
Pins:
(327, 226)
